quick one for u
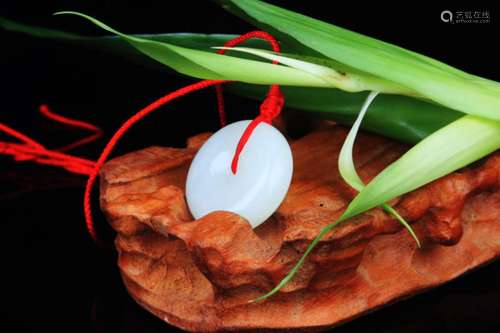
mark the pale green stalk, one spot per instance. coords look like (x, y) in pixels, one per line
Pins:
(348, 170)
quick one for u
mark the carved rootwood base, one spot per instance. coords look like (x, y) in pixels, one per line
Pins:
(199, 275)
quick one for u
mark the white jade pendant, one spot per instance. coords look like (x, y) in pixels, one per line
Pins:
(260, 184)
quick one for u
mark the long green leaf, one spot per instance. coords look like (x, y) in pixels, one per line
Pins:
(460, 143)
(340, 76)
(427, 77)
(208, 65)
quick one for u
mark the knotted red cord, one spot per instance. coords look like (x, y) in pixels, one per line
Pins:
(32, 150)
(270, 107)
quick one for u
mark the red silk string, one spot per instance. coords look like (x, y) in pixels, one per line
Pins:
(32, 150)
(269, 109)
(96, 131)
(121, 131)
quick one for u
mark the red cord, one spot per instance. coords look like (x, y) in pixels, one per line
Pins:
(35, 151)
(233, 42)
(271, 106)
(269, 109)
(97, 133)
(27, 140)
(121, 131)
(32, 150)
(44, 109)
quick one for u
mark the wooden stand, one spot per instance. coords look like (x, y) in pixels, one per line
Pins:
(199, 275)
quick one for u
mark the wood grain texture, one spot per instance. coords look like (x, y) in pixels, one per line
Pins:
(199, 275)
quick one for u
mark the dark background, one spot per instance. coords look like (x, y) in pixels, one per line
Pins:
(52, 275)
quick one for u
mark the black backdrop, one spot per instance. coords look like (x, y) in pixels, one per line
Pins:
(53, 277)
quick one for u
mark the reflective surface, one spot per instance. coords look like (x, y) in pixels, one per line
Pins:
(260, 184)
